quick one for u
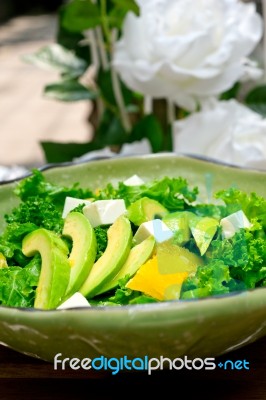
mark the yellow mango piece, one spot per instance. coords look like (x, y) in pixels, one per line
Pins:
(149, 280)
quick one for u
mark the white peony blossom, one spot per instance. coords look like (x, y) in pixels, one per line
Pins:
(141, 147)
(229, 132)
(187, 50)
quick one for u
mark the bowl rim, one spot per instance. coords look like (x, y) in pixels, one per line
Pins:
(169, 154)
(152, 305)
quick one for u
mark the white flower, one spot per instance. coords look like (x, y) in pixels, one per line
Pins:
(141, 147)
(186, 50)
(229, 132)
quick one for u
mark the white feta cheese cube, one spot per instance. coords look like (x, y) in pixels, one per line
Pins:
(71, 203)
(134, 180)
(104, 212)
(77, 300)
(157, 228)
(233, 222)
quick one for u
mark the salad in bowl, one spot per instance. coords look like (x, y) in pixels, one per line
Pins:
(129, 242)
(140, 256)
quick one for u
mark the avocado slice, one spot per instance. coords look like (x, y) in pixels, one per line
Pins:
(138, 255)
(84, 247)
(203, 230)
(144, 210)
(107, 266)
(55, 268)
(178, 222)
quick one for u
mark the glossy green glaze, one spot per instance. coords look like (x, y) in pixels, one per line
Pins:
(208, 327)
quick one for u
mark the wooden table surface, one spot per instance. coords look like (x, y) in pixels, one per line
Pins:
(26, 377)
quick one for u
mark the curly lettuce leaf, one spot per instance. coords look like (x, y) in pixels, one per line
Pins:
(210, 280)
(172, 193)
(37, 186)
(253, 205)
(18, 285)
(244, 253)
(39, 212)
(11, 242)
(101, 240)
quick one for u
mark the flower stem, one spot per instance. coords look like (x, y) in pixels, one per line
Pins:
(170, 112)
(105, 24)
(96, 64)
(118, 93)
(148, 105)
(93, 46)
(102, 50)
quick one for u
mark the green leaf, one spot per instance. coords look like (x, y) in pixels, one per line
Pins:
(105, 84)
(256, 100)
(209, 280)
(56, 57)
(231, 93)
(45, 196)
(71, 40)
(80, 15)
(18, 285)
(117, 15)
(127, 5)
(168, 139)
(150, 128)
(68, 91)
(110, 130)
(253, 205)
(56, 152)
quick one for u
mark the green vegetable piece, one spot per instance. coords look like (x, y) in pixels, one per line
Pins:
(101, 239)
(203, 231)
(84, 247)
(18, 284)
(178, 222)
(138, 255)
(195, 294)
(145, 209)
(112, 260)
(174, 259)
(3, 262)
(209, 280)
(55, 268)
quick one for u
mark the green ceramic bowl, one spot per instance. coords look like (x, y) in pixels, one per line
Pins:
(207, 327)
